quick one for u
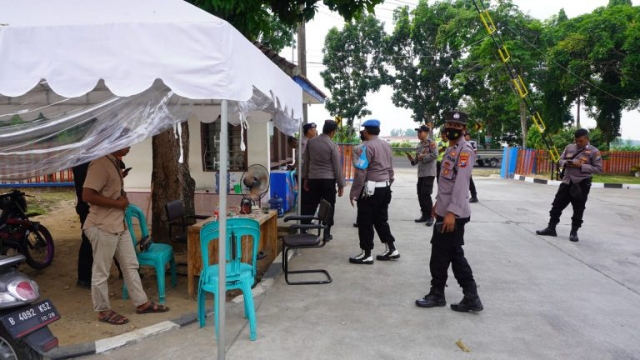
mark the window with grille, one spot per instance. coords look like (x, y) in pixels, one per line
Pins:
(237, 159)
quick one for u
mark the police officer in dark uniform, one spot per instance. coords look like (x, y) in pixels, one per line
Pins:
(452, 212)
(371, 189)
(579, 161)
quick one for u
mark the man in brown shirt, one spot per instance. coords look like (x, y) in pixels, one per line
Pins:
(322, 171)
(105, 228)
(372, 190)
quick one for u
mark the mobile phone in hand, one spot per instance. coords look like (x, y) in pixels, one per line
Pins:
(125, 171)
(438, 227)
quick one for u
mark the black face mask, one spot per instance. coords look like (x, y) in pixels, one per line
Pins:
(362, 136)
(452, 134)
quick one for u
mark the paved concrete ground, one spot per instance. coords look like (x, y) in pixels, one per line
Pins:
(545, 298)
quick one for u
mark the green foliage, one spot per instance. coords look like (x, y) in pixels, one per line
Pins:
(564, 137)
(594, 56)
(406, 132)
(344, 135)
(273, 22)
(423, 49)
(400, 144)
(625, 145)
(354, 67)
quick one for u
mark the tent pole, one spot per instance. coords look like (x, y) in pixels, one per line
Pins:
(222, 213)
(299, 174)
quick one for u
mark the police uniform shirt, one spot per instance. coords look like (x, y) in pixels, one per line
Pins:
(426, 156)
(442, 146)
(380, 166)
(453, 184)
(322, 160)
(303, 147)
(589, 158)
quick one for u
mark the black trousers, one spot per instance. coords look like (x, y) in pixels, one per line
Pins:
(564, 198)
(85, 255)
(319, 189)
(438, 164)
(425, 189)
(373, 213)
(472, 187)
(446, 248)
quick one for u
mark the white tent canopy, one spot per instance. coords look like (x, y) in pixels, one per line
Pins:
(72, 44)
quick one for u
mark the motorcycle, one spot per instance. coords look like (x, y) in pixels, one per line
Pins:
(24, 321)
(18, 232)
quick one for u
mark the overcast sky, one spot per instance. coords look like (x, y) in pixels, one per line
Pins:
(380, 103)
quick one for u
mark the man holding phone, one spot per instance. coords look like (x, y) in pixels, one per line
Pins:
(579, 161)
(452, 211)
(425, 157)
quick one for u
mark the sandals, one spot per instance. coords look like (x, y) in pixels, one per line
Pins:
(113, 318)
(152, 308)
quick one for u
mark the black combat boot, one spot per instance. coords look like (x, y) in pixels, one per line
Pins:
(423, 218)
(549, 231)
(470, 301)
(435, 298)
(327, 234)
(573, 235)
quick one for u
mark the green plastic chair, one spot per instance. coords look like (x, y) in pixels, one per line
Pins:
(157, 255)
(239, 275)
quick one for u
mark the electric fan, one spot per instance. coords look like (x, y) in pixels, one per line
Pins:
(255, 184)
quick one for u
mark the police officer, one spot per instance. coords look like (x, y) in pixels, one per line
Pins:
(442, 146)
(322, 171)
(371, 189)
(309, 131)
(579, 161)
(425, 158)
(452, 212)
(472, 185)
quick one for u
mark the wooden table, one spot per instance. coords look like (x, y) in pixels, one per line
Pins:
(268, 244)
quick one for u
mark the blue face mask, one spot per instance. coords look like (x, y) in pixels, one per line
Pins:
(452, 134)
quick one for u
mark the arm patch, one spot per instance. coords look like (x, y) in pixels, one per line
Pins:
(463, 160)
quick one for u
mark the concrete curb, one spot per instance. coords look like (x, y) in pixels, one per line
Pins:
(107, 344)
(593, 185)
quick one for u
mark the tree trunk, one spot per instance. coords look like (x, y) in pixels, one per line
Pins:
(523, 123)
(170, 179)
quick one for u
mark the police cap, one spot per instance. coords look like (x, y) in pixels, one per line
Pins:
(424, 128)
(307, 127)
(371, 123)
(456, 117)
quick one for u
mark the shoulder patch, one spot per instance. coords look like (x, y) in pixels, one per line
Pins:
(463, 160)
(433, 145)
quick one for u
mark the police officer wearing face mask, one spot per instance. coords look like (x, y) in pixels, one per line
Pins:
(579, 161)
(452, 212)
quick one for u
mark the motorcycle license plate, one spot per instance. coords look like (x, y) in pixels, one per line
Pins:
(30, 318)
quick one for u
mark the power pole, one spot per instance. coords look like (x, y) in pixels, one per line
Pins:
(302, 62)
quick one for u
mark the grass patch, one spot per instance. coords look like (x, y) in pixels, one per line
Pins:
(599, 178)
(616, 179)
(42, 200)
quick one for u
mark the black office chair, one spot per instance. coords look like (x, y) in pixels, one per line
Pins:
(304, 240)
(177, 218)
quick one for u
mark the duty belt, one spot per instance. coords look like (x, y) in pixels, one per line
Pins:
(380, 184)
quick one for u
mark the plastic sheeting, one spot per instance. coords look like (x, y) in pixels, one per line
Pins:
(41, 133)
(39, 140)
